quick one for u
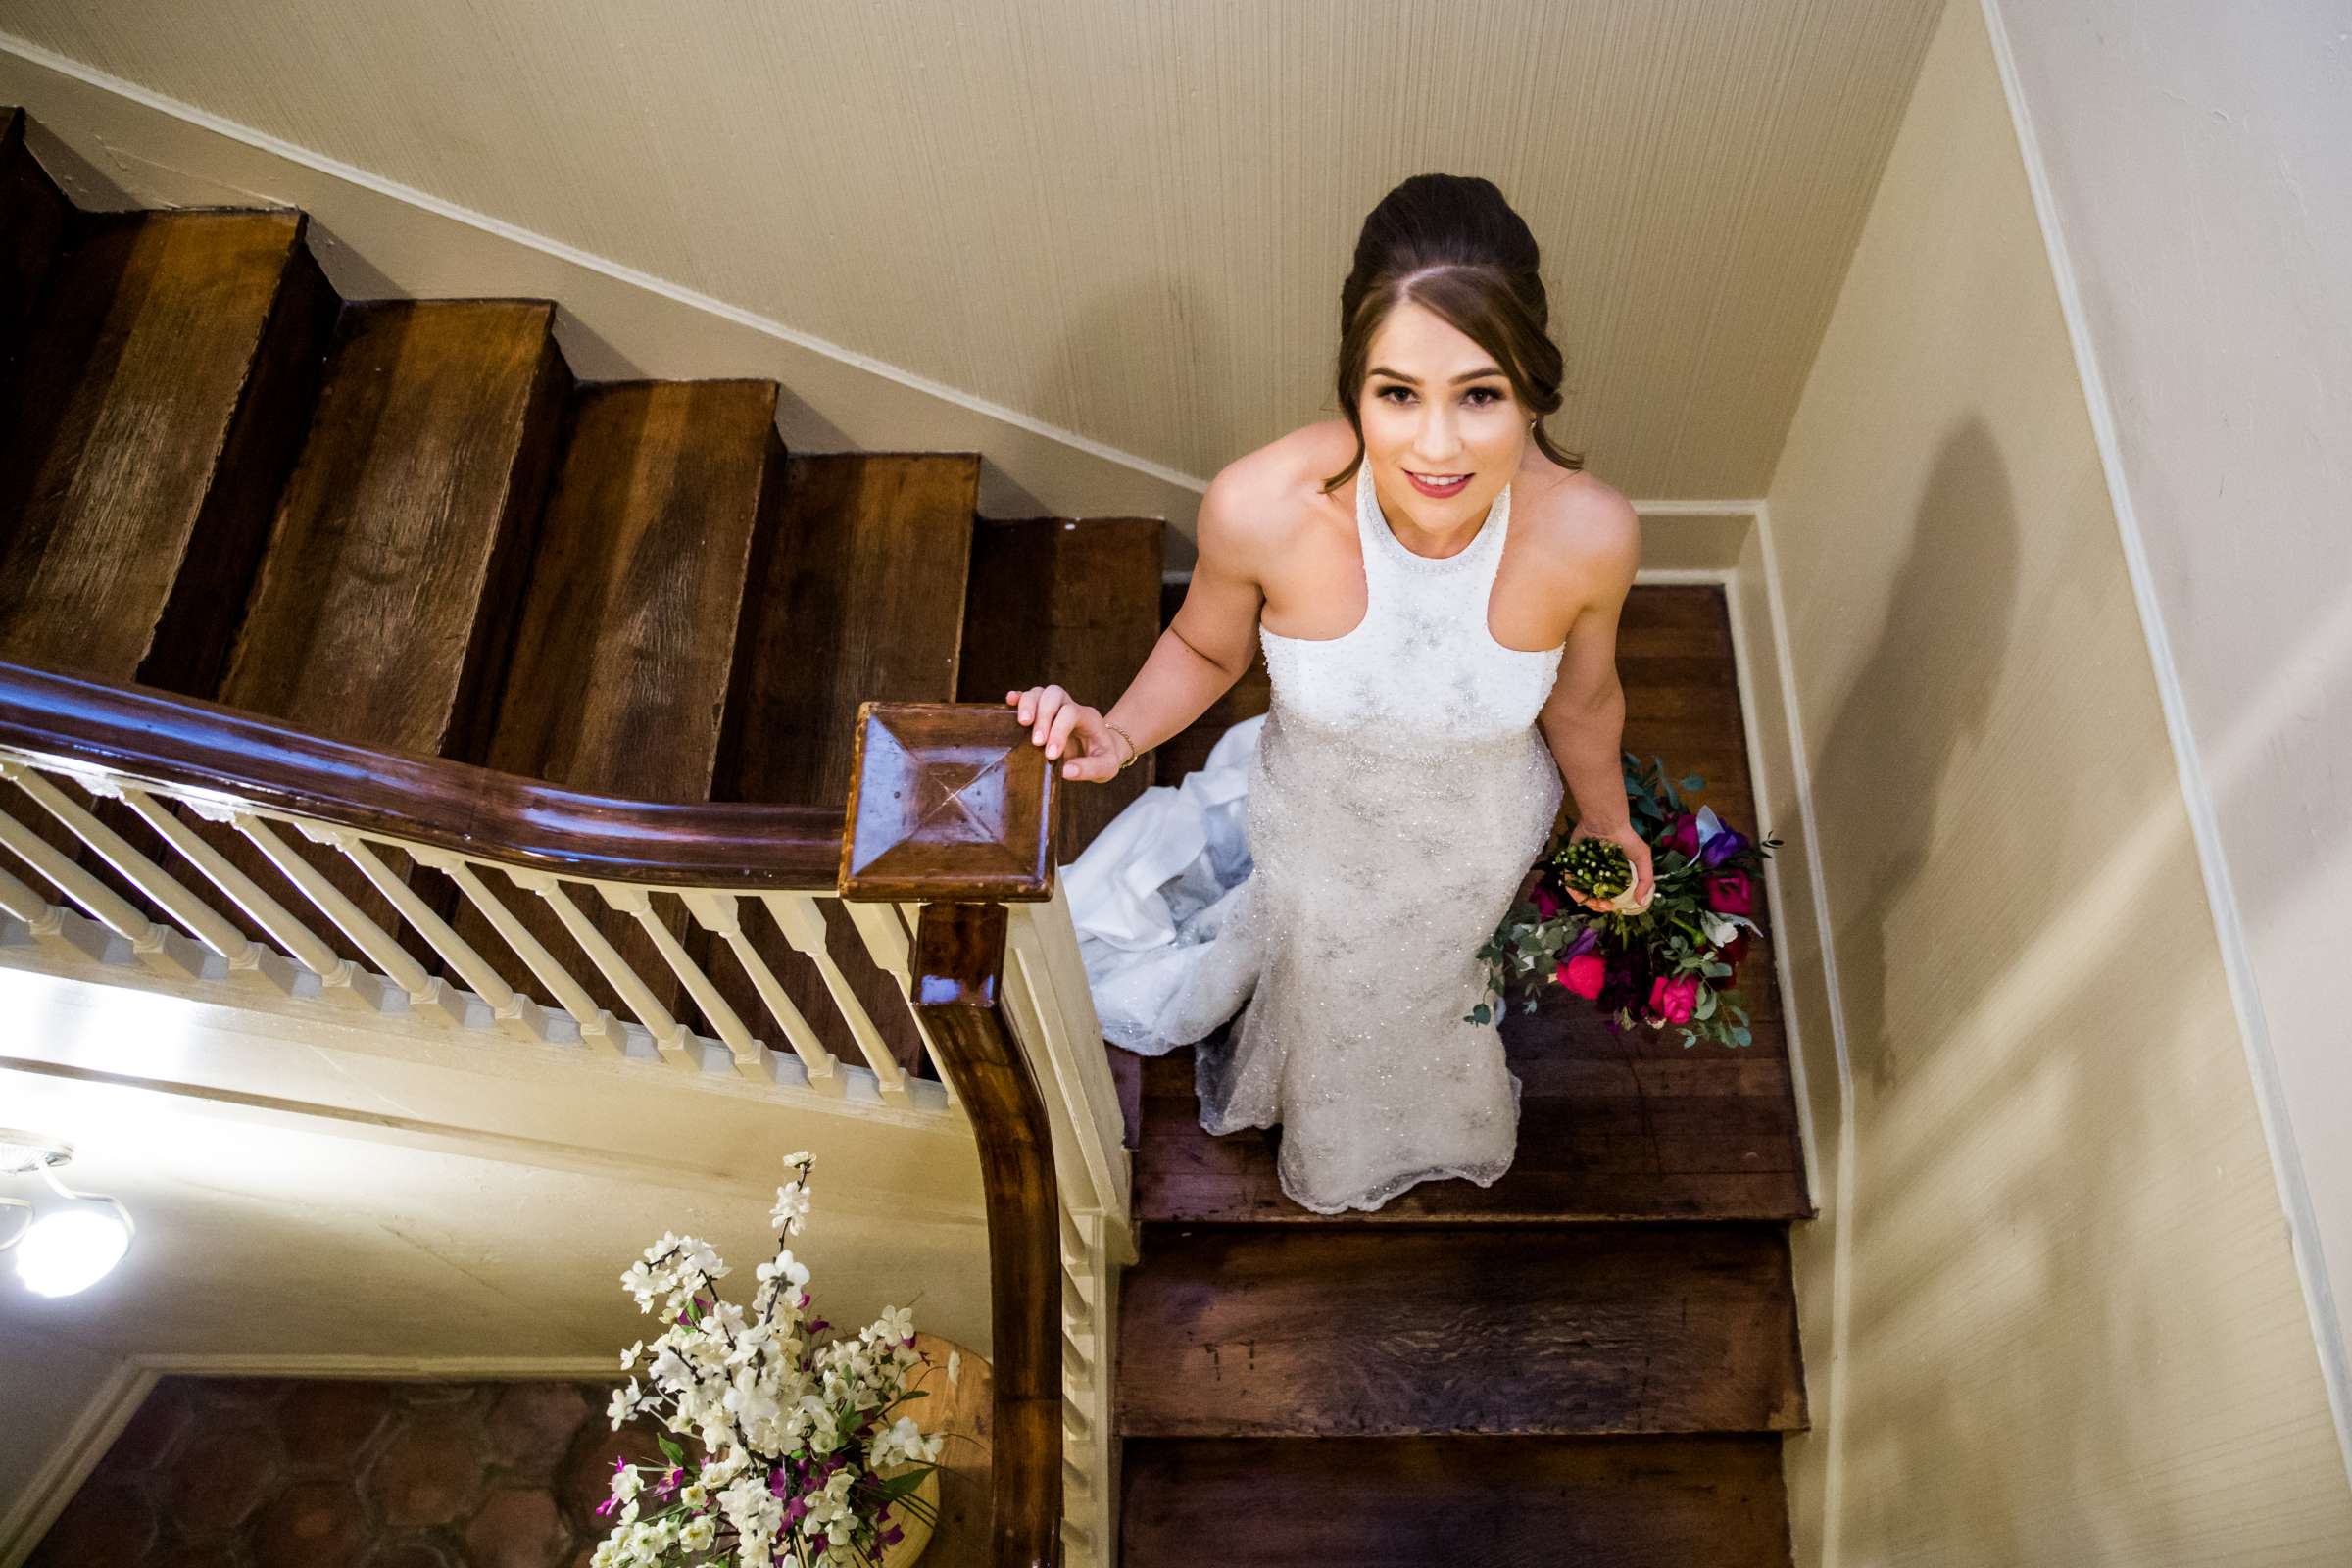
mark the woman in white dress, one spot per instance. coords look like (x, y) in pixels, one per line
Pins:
(1437, 588)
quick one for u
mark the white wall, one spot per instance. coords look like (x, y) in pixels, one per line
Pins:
(2195, 164)
(2050, 1314)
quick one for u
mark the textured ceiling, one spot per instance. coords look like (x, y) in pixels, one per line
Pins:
(1127, 220)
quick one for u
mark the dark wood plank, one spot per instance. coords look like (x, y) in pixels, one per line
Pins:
(1409, 1503)
(628, 651)
(1344, 1329)
(34, 218)
(1070, 604)
(385, 611)
(864, 601)
(162, 395)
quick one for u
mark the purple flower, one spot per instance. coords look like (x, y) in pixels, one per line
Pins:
(1586, 941)
(1722, 847)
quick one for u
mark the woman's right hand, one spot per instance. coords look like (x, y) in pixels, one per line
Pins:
(1060, 723)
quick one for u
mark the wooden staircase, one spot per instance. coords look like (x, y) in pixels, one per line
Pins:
(1589, 1362)
(405, 524)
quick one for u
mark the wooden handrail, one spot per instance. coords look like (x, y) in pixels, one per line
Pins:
(191, 745)
(950, 804)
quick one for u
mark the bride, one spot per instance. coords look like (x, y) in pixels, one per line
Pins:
(1436, 586)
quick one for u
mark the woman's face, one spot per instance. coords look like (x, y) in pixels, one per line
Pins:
(1437, 409)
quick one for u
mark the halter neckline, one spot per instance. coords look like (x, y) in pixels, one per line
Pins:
(1375, 521)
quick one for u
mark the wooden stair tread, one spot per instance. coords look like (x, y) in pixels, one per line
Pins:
(161, 390)
(387, 594)
(864, 601)
(1409, 1503)
(627, 643)
(627, 652)
(1070, 604)
(1355, 1330)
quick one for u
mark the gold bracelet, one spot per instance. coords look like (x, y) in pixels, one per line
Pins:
(1132, 753)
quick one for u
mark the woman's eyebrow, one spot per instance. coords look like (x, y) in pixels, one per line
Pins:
(1472, 376)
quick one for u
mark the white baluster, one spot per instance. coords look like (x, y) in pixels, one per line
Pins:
(804, 926)
(405, 983)
(152, 945)
(749, 1057)
(671, 1038)
(514, 1013)
(328, 971)
(722, 913)
(31, 917)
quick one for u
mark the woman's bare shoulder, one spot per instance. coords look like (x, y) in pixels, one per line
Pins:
(1257, 503)
(1578, 516)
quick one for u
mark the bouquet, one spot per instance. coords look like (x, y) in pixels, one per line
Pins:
(794, 1433)
(1672, 963)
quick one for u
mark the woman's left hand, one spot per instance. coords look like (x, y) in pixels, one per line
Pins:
(1637, 850)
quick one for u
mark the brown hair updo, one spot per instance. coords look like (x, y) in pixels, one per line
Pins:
(1452, 244)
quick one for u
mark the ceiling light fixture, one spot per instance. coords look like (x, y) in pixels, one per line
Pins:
(66, 1242)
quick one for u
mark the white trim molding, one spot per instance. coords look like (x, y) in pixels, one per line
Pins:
(25, 1519)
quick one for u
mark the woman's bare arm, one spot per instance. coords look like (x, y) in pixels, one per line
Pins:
(1206, 648)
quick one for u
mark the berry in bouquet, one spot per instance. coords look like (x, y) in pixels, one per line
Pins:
(1670, 964)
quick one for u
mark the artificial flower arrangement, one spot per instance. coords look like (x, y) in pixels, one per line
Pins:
(1674, 961)
(795, 1434)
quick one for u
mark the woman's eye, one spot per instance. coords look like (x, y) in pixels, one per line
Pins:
(1479, 397)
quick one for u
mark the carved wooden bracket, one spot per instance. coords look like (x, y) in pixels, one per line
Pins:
(947, 800)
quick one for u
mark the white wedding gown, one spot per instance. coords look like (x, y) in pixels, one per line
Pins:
(1336, 867)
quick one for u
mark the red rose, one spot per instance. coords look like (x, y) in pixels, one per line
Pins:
(1545, 905)
(1674, 1000)
(1683, 833)
(1581, 974)
(1734, 950)
(1728, 893)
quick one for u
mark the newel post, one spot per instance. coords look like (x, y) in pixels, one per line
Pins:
(952, 805)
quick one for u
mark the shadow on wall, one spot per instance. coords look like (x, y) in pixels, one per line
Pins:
(1988, 1066)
